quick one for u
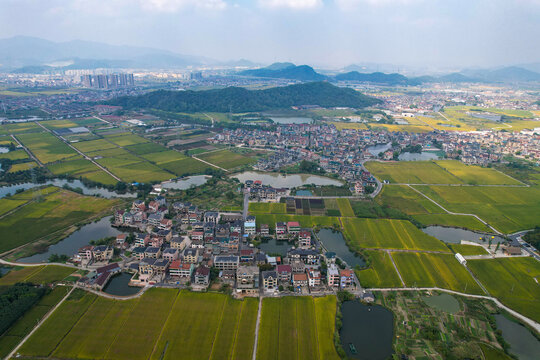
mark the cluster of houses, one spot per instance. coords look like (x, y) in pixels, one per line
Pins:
(197, 246)
(257, 191)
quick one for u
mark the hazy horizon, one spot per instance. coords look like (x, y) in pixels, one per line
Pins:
(326, 34)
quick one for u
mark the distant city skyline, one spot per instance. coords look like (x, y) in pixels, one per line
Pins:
(323, 33)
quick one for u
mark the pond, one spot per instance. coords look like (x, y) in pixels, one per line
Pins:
(443, 302)
(333, 241)
(424, 155)
(455, 235)
(71, 244)
(291, 120)
(367, 329)
(523, 343)
(118, 285)
(376, 149)
(10, 190)
(185, 183)
(278, 180)
(273, 246)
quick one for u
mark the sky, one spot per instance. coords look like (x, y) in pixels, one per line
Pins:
(323, 33)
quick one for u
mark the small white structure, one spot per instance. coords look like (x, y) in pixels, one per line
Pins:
(461, 259)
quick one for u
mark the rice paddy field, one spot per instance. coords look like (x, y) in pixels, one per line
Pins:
(58, 210)
(508, 209)
(19, 128)
(26, 323)
(36, 274)
(267, 208)
(297, 328)
(46, 147)
(388, 234)
(380, 273)
(512, 281)
(435, 270)
(471, 174)
(22, 166)
(411, 172)
(161, 324)
(15, 155)
(226, 159)
(345, 207)
(465, 249)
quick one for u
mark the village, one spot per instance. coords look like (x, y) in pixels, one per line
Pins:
(178, 245)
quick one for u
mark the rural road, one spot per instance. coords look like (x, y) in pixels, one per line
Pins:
(530, 322)
(4, 262)
(395, 267)
(206, 162)
(14, 351)
(453, 213)
(80, 152)
(254, 357)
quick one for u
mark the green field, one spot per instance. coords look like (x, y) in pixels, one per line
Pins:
(465, 249)
(58, 210)
(476, 175)
(381, 272)
(125, 139)
(36, 274)
(508, 209)
(297, 328)
(304, 220)
(435, 270)
(15, 155)
(46, 147)
(345, 207)
(162, 324)
(388, 234)
(411, 172)
(93, 145)
(19, 128)
(145, 148)
(26, 323)
(22, 166)
(226, 159)
(512, 281)
(162, 157)
(73, 167)
(267, 208)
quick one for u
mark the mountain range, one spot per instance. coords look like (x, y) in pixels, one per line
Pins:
(291, 71)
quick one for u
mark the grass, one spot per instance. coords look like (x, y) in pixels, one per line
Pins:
(381, 272)
(161, 324)
(26, 323)
(435, 270)
(226, 159)
(512, 281)
(297, 328)
(345, 207)
(388, 234)
(58, 210)
(46, 147)
(471, 174)
(465, 249)
(508, 209)
(267, 208)
(411, 172)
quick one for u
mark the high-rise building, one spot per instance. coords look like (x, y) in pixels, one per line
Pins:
(100, 81)
(86, 80)
(110, 81)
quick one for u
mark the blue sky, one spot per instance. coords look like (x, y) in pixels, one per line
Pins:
(326, 33)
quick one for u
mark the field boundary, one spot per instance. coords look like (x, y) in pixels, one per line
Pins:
(396, 268)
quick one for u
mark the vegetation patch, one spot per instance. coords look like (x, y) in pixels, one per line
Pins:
(226, 159)
(411, 172)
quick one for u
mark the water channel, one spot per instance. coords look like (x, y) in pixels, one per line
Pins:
(522, 342)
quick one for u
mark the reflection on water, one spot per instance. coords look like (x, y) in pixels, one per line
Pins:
(278, 180)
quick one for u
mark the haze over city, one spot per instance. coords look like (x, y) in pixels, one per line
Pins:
(329, 34)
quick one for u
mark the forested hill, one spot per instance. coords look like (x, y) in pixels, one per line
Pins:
(242, 100)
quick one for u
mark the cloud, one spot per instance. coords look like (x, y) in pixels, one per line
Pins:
(350, 4)
(176, 5)
(290, 4)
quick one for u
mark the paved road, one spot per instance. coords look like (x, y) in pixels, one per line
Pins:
(117, 297)
(530, 322)
(12, 353)
(81, 153)
(27, 151)
(528, 248)
(453, 213)
(4, 262)
(254, 357)
(246, 206)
